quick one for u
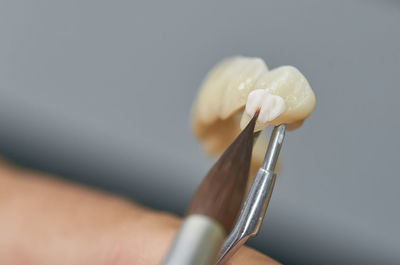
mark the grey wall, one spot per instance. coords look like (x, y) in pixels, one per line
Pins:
(100, 92)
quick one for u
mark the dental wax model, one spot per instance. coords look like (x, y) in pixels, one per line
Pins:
(282, 95)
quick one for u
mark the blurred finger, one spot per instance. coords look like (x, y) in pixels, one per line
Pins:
(45, 221)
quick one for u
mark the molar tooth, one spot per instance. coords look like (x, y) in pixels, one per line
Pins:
(288, 83)
(226, 87)
(218, 109)
(240, 83)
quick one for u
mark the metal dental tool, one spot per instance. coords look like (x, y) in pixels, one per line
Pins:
(256, 203)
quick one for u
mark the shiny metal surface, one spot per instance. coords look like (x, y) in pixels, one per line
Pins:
(257, 200)
(197, 243)
(274, 147)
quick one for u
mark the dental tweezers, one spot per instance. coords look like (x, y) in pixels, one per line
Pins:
(257, 200)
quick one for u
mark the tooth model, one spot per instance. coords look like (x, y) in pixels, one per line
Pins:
(235, 89)
(287, 83)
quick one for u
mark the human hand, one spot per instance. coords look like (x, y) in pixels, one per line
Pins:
(48, 221)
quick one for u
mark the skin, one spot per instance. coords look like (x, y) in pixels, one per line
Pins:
(45, 220)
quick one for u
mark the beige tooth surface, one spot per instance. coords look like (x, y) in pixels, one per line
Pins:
(288, 83)
(218, 135)
(223, 94)
(241, 80)
(208, 101)
(226, 87)
(218, 115)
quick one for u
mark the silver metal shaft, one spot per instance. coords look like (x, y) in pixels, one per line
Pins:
(274, 147)
(257, 200)
(197, 243)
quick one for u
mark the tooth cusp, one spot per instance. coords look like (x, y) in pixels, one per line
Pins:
(269, 105)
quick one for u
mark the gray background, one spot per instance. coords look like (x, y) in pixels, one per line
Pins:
(100, 92)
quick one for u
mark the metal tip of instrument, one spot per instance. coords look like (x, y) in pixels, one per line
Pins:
(274, 147)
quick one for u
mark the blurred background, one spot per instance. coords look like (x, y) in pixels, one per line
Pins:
(100, 92)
